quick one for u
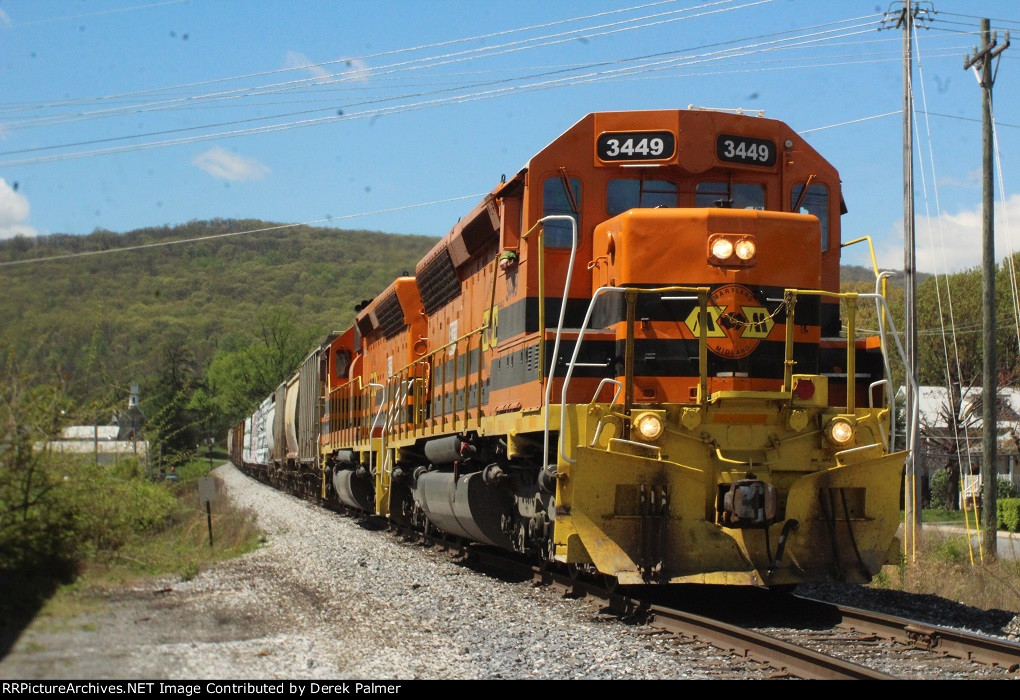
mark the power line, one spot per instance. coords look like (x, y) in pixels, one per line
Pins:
(852, 121)
(426, 62)
(404, 65)
(366, 57)
(732, 52)
(978, 17)
(164, 244)
(51, 20)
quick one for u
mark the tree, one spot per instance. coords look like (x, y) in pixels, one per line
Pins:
(173, 426)
(249, 369)
(954, 420)
(958, 416)
(34, 519)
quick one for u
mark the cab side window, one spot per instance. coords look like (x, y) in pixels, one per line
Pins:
(649, 194)
(557, 199)
(815, 201)
(738, 195)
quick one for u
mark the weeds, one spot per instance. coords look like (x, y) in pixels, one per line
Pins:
(155, 529)
(944, 568)
(180, 545)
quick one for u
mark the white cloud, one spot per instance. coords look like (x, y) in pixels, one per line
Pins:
(14, 211)
(952, 242)
(357, 69)
(295, 59)
(221, 163)
(972, 181)
(350, 68)
(5, 20)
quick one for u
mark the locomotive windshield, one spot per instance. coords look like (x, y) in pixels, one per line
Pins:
(557, 199)
(815, 202)
(629, 194)
(730, 196)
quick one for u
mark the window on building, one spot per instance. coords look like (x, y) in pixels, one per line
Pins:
(628, 194)
(816, 202)
(738, 195)
(557, 199)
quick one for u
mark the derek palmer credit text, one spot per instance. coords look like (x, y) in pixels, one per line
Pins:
(192, 689)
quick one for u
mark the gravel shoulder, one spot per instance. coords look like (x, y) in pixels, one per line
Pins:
(327, 598)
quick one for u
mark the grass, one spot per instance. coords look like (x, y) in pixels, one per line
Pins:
(940, 515)
(179, 547)
(944, 568)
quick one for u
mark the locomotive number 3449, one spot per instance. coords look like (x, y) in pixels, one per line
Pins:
(636, 145)
(744, 149)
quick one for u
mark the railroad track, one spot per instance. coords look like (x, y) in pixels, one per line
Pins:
(826, 641)
(817, 646)
(949, 642)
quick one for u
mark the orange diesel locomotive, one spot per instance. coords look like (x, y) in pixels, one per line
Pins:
(628, 358)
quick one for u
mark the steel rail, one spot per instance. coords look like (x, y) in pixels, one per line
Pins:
(787, 658)
(956, 643)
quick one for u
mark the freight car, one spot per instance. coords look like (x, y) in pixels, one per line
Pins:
(628, 358)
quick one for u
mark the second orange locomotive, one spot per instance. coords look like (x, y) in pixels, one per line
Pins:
(628, 358)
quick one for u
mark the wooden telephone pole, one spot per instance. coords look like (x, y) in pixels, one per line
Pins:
(981, 62)
(905, 19)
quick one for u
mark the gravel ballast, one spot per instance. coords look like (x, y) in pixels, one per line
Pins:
(328, 598)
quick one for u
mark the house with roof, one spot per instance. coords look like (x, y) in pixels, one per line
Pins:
(109, 443)
(951, 429)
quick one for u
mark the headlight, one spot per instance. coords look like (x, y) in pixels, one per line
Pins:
(841, 431)
(722, 248)
(745, 249)
(648, 426)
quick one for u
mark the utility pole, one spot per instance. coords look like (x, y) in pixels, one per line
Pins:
(905, 19)
(981, 62)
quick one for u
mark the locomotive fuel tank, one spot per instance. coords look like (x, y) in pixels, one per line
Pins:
(466, 506)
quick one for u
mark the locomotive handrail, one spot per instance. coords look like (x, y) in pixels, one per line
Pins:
(612, 401)
(883, 307)
(702, 293)
(880, 282)
(394, 408)
(371, 428)
(540, 225)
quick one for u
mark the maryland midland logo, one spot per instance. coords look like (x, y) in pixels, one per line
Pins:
(737, 321)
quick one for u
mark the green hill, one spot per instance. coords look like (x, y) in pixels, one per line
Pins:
(101, 322)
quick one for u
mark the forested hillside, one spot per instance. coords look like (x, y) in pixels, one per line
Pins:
(165, 316)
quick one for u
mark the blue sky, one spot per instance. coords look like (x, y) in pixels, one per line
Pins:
(393, 116)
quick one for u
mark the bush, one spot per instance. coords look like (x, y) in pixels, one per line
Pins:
(113, 503)
(939, 485)
(951, 550)
(1005, 489)
(1009, 514)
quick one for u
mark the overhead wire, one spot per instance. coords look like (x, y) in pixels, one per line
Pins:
(422, 47)
(687, 60)
(215, 236)
(979, 17)
(382, 71)
(1011, 258)
(109, 11)
(427, 61)
(938, 291)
